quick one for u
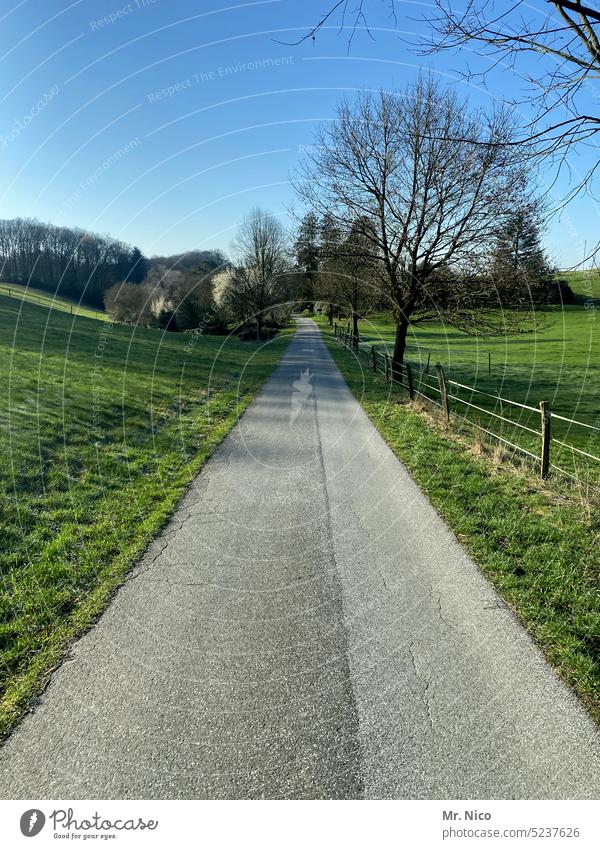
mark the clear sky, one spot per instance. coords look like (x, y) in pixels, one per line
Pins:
(163, 121)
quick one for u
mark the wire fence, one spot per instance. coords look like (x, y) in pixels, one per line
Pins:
(533, 431)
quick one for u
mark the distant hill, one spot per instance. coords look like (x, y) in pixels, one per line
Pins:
(190, 260)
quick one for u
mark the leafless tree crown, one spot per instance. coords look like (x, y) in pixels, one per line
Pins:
(430, 177)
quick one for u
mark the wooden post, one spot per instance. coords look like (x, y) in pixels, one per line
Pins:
(545, 458)
(443, 393)
(374, 355)
(427, 366)
(409, 380)
(335, 328)
(387, 368)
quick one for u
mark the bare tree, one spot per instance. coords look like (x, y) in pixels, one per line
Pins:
(564, 38)
(352, 17)
(427, 198)
(261, 254)
(127, 303)
(565, 41)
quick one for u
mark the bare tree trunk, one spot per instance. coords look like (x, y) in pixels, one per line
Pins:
(330, 314)
(399, 349)
(355, 324)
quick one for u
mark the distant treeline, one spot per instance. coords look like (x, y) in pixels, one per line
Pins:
(191, 260)
(69, 261)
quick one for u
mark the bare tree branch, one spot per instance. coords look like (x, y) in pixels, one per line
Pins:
(567, 44)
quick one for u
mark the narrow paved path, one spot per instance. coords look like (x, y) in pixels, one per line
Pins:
(305, 627)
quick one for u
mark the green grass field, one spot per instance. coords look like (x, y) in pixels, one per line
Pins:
(536, 544)
(585, 284)
(103, 428)
(559, 362)
(30, 294)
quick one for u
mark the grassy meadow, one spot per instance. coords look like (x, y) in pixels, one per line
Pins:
(558, 362)
(103, 428)
(32, 295)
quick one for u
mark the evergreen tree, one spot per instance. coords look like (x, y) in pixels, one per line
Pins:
(519, 256)
(306, 251)
(138, 267)
(330, 239)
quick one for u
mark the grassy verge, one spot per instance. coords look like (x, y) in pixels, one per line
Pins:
(558, 363)
(103, 428)
(539, 548)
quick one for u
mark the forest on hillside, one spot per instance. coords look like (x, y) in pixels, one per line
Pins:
(66, 261)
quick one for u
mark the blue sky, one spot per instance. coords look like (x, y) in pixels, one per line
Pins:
(162, 123)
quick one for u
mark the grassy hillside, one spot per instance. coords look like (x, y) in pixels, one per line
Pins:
(585, 284)
(32, 295)
(103, 427)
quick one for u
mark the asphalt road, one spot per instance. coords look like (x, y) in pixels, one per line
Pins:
(305, 627)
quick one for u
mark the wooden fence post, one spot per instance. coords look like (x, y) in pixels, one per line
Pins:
(335, 328)
(427, 366)
(409, 380)
(387, 368)
(374, 355)
(443, 393)
(545, 458)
